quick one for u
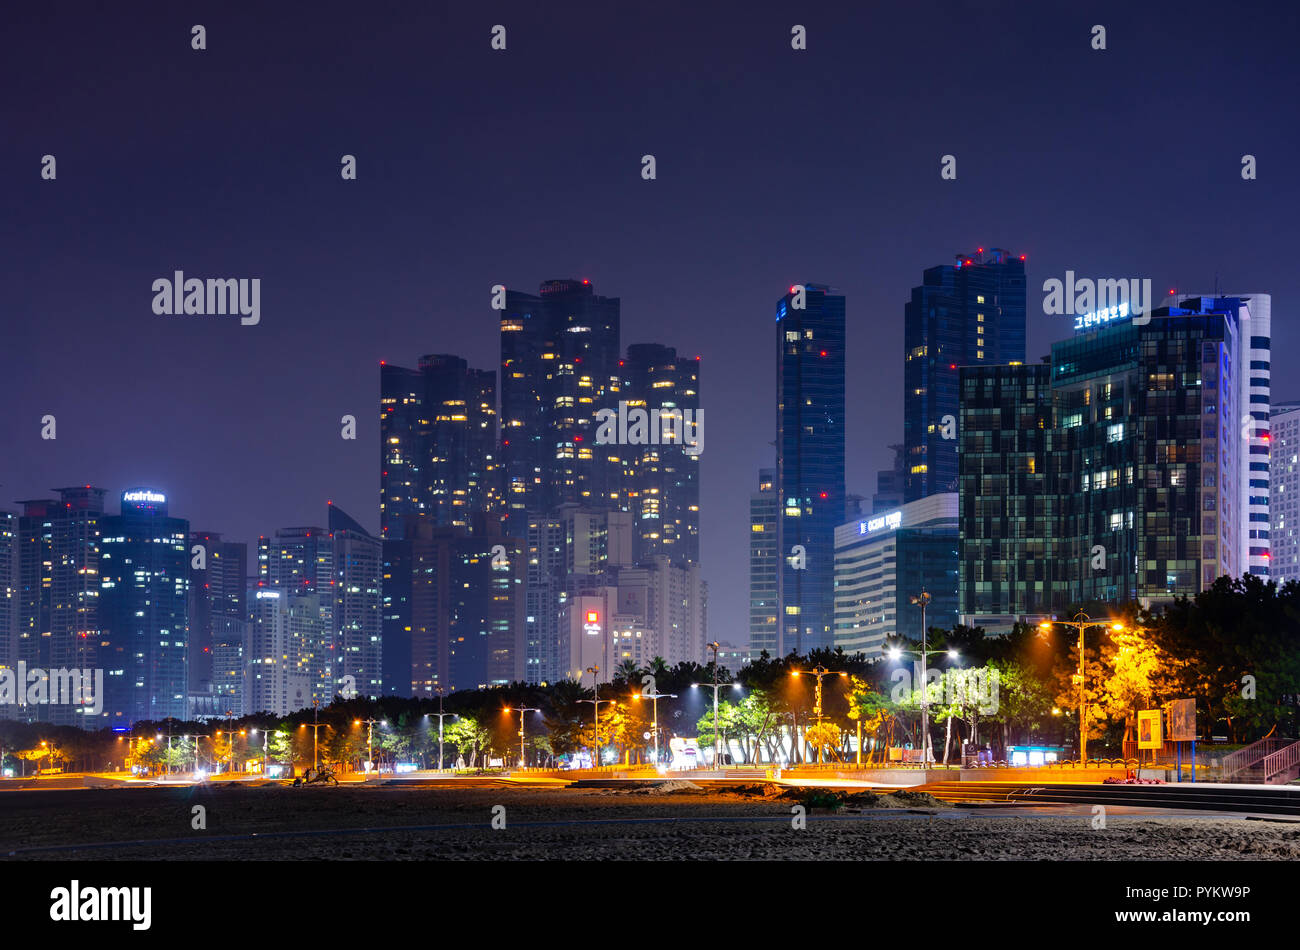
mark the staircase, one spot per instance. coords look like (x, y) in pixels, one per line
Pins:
(1276, 768)
(1266, 762)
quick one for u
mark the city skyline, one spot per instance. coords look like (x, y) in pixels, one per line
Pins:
(259, 408)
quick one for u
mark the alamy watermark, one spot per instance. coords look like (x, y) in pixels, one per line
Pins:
(21, 686)
(976, 687)
(212, 297)
(639, 426)
(1095, 303)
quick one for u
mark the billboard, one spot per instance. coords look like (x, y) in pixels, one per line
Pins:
(1149, 733)
(1182, 720)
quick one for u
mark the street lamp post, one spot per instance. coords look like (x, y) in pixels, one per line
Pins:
(441, 715)
(523, 711)
(922, 600)
(1082, 622)
(266, 750)
(654, 697)
(818, 671)
(595, 705)
(370, 737)
(315, 725)
(716, 731)
(717, 735)
(924, 654)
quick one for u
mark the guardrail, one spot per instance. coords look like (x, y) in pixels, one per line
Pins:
(1279, 762)
(1250, 755)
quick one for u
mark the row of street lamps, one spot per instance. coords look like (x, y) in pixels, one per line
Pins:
(1081, 623)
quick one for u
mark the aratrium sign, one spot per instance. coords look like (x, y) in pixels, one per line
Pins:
(145, 496)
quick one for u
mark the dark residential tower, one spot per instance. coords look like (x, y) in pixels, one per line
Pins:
(343, 564)
(59, 589)
(661, 482)
(218, 608)
(439, 466)
(559, 366)
(438, 433)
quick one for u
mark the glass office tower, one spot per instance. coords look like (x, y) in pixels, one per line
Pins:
(810, 335)
(1114, 473)
(970, 313)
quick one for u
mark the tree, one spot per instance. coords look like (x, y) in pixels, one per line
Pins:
(467, 735)
(1024, 700)
(822, 736)
(627, 672)
(1132, 660)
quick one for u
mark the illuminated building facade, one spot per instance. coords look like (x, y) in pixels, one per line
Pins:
(218, 609)
(59, 589)
(764, 566)
(559, 366)
(1120, 471)
(883, 560)
(661, 483)
(144, 610)
(1284, 501)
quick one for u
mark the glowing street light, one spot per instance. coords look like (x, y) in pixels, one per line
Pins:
(595, 704)
(1082, 622)
(655, 698)
(523, 712)
(370, 736)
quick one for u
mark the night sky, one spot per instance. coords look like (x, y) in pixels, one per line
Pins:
(478, 167)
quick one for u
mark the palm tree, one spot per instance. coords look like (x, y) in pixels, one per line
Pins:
(627, 671)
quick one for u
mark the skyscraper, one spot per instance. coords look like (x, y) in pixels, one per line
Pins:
(1254, 377)
(59, 589)
(344, 565)
(438, 435)
(440, 464)
(358, 606)
(559, 366)
(302, 560)
(9, 600)
(144, 610)
(218, 610)
(1007, 498)
(587, 504)
(810, 336)
(661, 481)
(764, 566)
(467, 608)
(966, 314)
(573, 550)
(1284, 499)
(547, 585)
(278, 676)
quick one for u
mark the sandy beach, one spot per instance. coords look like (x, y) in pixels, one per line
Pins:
(393, 823)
